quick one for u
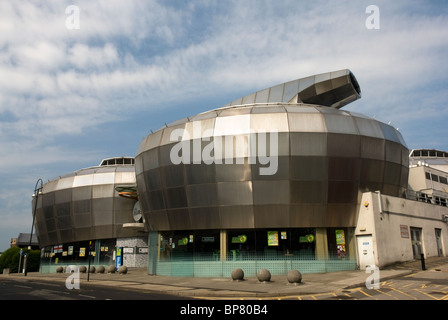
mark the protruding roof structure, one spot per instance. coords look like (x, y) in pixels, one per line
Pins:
(332, 89)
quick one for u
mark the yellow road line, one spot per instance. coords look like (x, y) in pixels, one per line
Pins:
(362, 291)
(404, 293)
(426, 294)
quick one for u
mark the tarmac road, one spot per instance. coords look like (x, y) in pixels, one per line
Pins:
(15, 288)
(398, 282)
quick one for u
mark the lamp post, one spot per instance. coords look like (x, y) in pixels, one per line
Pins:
(36, 194)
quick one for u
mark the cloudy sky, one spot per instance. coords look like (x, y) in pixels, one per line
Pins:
(80, 84)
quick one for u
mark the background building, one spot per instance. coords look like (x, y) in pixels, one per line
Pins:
(91, 210)
(428, 176)
(23, 241)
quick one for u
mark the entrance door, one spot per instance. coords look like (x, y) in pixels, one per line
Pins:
(365, 251)
(439, 242)
(416, 240)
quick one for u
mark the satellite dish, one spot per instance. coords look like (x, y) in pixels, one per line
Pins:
(137, 212)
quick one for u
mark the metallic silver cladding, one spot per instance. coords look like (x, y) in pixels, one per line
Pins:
(85, 206)
(326, 159)
(332, 89)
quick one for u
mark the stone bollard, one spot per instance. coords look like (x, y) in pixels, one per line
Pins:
(123, 270)
(100, 269)
(264, 275)
(237, 274)
(92, 269)
(111, 269)
(294, 276)
(59, 269)
(82, 269)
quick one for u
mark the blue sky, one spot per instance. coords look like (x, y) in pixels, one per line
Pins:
(72, 97)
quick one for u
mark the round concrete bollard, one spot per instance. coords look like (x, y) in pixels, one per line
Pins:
(92, 269)
(100, 269)
(264, 275)
(238, 274)
(294, 276)
(123, 270)
(59, 269)
(82, 269)
(111, 269)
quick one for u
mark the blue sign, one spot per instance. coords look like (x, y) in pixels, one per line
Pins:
(119, 258)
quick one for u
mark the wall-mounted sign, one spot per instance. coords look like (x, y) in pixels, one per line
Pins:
(128, 250)
(239, 239)
(309, 238)
(404, 231)
(143, 250)
(340, 243)
(272, 238)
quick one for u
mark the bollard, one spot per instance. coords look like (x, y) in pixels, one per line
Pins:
(423, 261)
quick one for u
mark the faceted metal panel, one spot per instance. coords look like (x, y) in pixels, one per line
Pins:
(343, 145)
(309, 168)
(308, 144)
(81, 193)
(306, 122)
(236, 216)
(271, 216)
(308, 215)
(271, 192)
(179, 219)
(200, 173)
(233, 172)
(372, 148)
(340, 124)
(235, 193)
(202, 195)
(205, 218)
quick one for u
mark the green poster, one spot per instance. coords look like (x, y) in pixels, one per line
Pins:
(272, 238)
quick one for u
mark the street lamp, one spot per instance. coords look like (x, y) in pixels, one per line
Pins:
(36, 194)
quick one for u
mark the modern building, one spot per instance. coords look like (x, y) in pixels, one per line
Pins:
(90, 213)
(282, 179)
(275, 178)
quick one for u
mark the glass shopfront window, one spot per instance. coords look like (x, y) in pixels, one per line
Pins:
(101, 251)
(275, 242)
(189, 244)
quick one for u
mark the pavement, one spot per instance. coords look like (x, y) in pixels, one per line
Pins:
(249, 287)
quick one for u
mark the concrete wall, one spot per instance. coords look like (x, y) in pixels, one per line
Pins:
(389, 219)
(133, 249)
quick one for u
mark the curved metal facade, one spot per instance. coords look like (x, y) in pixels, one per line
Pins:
(326, 158)
(84, 205)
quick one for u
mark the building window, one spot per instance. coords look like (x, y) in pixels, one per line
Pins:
(272, 243)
